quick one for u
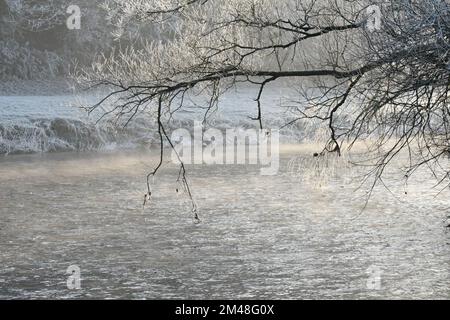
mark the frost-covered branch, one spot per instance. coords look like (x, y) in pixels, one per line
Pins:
(388, 85)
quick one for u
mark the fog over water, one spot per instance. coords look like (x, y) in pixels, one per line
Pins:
(298, 234)
(284, 236)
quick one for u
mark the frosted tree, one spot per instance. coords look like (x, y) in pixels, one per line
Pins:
(35, 42)
(367, 70)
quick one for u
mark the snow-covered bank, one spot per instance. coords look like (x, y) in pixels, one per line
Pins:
(30, 124)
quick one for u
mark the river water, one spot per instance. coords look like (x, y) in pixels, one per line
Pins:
(298, 234)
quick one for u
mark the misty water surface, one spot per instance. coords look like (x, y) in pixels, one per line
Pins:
(293, 235)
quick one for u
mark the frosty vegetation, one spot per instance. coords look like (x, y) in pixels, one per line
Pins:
(388, 86)
(35, 42)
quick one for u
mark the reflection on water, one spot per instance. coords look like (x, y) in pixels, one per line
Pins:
(285, 236)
